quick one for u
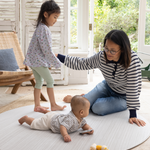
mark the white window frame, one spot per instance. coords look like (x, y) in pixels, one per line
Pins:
(143, 50)
(72, 8)
(82, 26)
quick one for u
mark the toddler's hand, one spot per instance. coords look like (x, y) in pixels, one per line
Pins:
(67, 138)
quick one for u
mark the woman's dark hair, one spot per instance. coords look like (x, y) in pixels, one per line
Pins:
(50, 7)
(120, 38)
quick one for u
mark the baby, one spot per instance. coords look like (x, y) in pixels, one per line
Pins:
(63, 123)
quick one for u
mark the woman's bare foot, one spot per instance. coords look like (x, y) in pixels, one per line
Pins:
(22, 120)
(67, 99)
(41, 109)
(57, 107)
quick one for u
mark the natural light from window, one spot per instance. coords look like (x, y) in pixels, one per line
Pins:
(73, 32)
(147, 26)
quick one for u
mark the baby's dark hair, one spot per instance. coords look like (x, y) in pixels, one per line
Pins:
(50, 7)
(78, 102)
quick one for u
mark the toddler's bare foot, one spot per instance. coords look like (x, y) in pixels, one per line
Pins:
(57, 107)
(22, 120)
(41, 109)
(67, 99)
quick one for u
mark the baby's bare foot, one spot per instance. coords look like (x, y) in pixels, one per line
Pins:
(41, 109)
(22, 120)
(67, 99)
(57, 107)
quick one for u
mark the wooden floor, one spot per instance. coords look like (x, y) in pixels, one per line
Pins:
(144, 99)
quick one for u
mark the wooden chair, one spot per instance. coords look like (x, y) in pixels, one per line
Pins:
(10, 40)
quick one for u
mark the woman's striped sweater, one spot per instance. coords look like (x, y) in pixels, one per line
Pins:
(120, 80)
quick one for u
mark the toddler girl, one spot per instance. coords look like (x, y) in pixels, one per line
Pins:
(40, 57)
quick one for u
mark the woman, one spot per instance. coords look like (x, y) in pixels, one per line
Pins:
(120, 67)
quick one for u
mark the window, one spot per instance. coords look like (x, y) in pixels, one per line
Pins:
(144, 32)
(148, 4)
(78, 25)
(147, 25)
(73, 23)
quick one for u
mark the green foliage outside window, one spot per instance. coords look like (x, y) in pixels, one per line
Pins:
(73, 22)
(73, 3)
(73, 26)
(113, 14)
(147, 29)
(116, 14)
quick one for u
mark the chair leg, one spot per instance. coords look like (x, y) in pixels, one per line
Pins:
(15, 88)
(42, 96)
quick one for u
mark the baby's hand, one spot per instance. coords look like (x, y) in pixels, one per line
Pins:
(67, 138)
(91, 132)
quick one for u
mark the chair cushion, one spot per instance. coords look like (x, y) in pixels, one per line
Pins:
(7, 60)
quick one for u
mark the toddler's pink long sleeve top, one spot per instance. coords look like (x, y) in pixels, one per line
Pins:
(40, 53)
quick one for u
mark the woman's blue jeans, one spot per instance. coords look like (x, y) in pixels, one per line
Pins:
(103, 100)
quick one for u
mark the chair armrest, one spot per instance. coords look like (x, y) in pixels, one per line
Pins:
(6, 74)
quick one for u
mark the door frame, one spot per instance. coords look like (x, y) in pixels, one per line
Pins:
(143, 50)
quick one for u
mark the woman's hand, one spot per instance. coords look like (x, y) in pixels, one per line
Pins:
(137, 121)
(56, 55)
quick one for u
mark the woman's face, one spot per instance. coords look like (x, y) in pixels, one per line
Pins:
(111, 46)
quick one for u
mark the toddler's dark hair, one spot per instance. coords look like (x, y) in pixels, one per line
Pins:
(50, 7)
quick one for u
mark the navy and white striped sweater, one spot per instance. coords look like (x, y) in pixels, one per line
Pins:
(120, 80)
